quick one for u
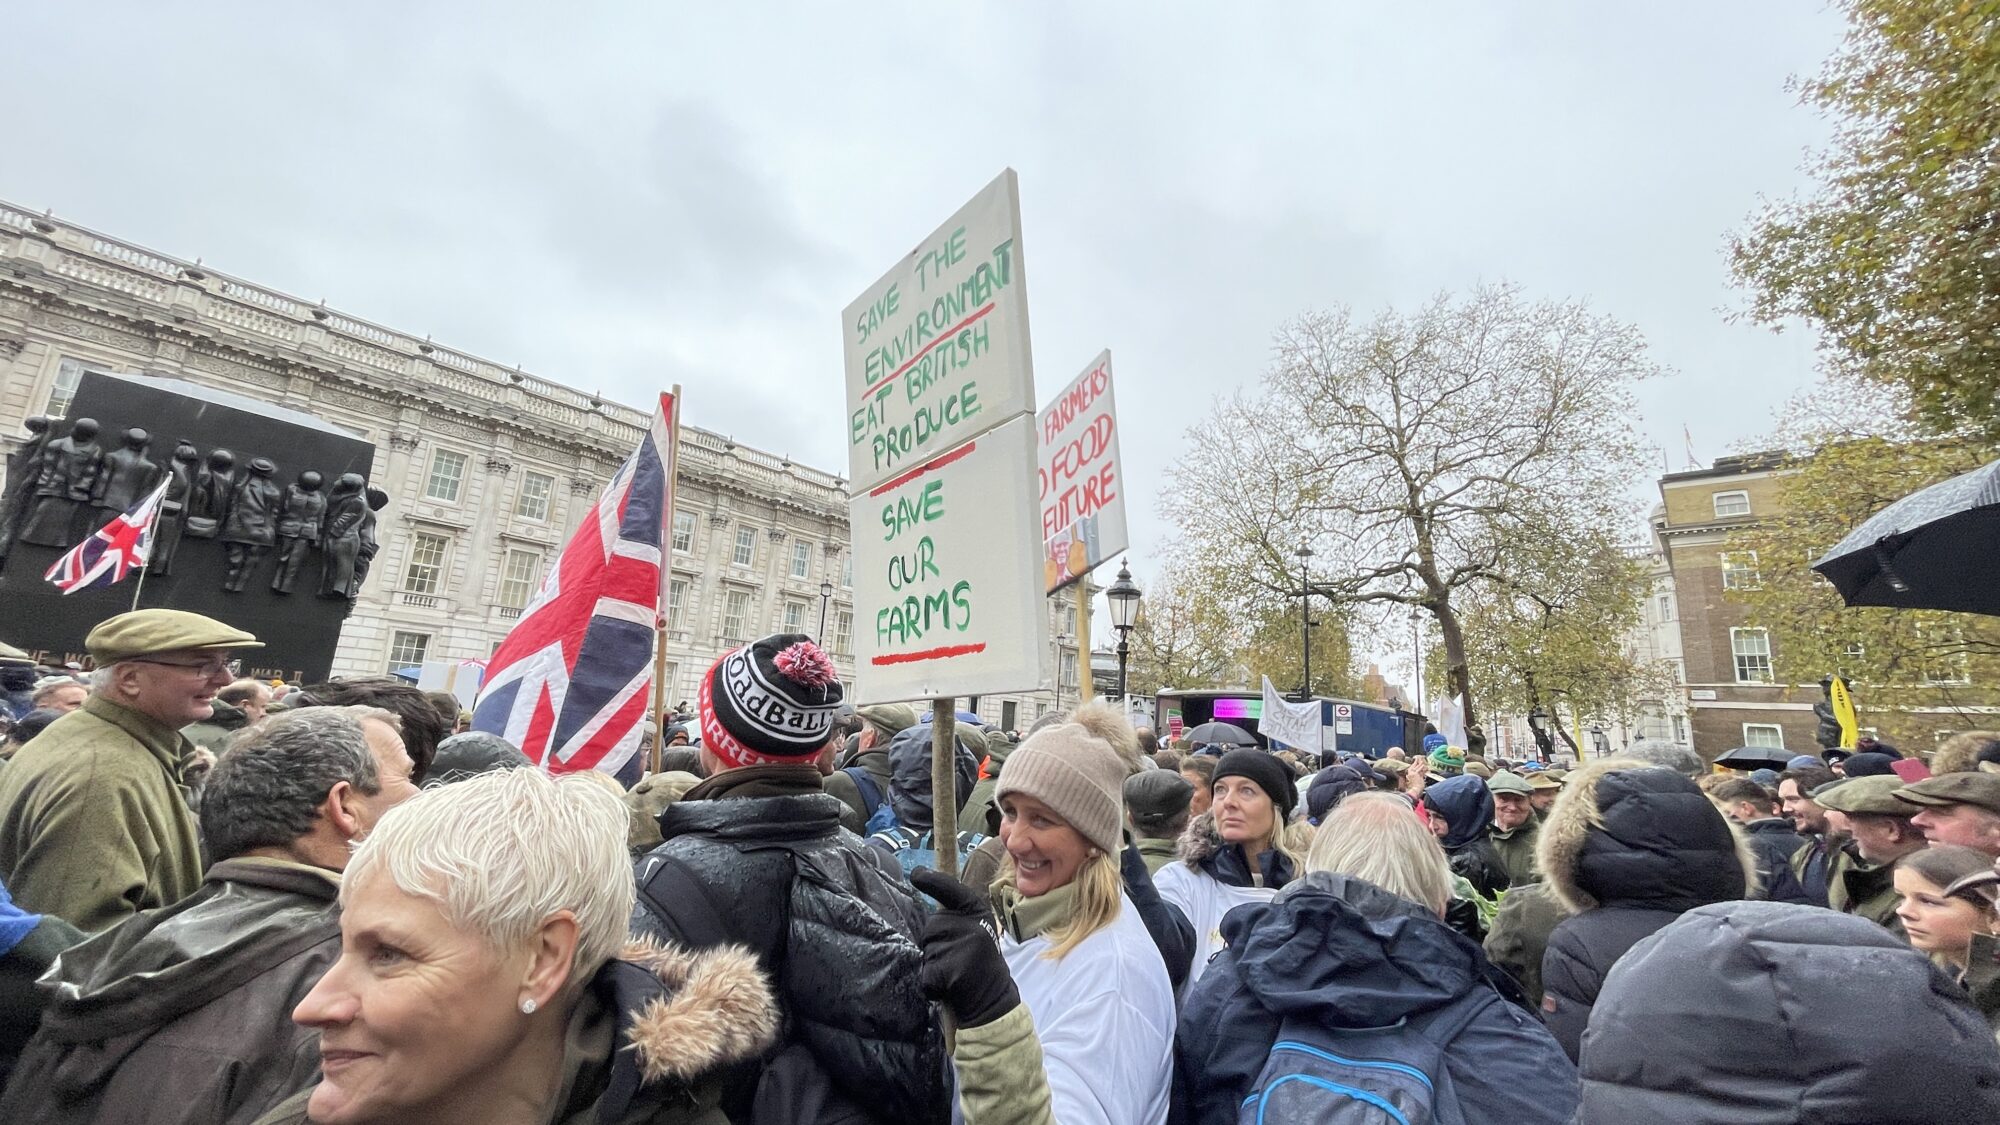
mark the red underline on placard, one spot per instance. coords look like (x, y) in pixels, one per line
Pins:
(926, 349)
(929, 654)
(920, 470)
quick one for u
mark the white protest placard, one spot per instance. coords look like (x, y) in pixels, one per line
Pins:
(1294, 724)
(1082, 491)
(950, 595)
(937, 351)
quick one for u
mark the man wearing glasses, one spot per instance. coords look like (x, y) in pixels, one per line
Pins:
(94, 824)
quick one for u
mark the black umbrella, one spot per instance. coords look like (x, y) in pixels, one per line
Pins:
(1933, 549)
(1748, 758)
(1220, 734)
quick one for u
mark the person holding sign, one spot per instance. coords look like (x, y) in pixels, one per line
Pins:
(1078, 951)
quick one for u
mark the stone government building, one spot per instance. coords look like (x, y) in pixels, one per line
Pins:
(488, 468)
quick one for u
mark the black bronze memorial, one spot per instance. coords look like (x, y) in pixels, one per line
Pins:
(250, 530)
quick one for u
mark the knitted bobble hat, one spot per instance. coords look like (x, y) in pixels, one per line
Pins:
(1078, 771)
(770, 702)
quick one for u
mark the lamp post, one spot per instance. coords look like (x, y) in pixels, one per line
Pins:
(1123, 598)
(1417, 650)
(1063, 641)
(825, 596)
(1538, 722)
(1304, 554)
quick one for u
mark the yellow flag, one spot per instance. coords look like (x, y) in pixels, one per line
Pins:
(1843, 712)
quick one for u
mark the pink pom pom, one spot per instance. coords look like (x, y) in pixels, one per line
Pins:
(805, 663)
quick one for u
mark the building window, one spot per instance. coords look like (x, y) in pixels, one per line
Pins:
(1729, 504)
(795, 617)
(684, 532)
(1752, 649)
(533, 502)
(1739, 570)
(843, 632)
(1680, 729)
(746, 547)
(447, 475)
(68, 374)
(406, 649)
(802, 559)
(1855, 650)
(677, 592)
(517, 579)
(847, 570)
(1066, 669)
(1008, 710)
(426, 567)
(1768, 736)
(735, 609)
(1666, 602)
(1944, 656)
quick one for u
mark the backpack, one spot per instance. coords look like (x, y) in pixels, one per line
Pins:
(881, 815)
(1364, 1076)
(914, 849)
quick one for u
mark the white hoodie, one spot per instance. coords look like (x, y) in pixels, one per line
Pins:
(1203, 900)
(1105, 1016)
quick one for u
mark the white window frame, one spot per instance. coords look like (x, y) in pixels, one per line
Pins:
(421, 576)
(1666, 603)
(802, 558)
(847, 570)
(517, 586)
(1956, 666)
(64, 389)
(438, 455)
(843, 631)
(736, 607)
(1732, 495)
(794, 610)
(677, 592)
(1740, 570)
(684, 524)
(746, 544)
(1737, 655)
(1775, 730)
(1680, 729)
(546, 496)
(397, 645)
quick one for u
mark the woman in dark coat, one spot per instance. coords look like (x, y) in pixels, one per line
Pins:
(1466, 807)
(1628, 848)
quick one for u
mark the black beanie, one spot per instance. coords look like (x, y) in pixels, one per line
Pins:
(1267, 771)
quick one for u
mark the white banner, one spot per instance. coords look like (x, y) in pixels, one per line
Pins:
(1083, 493)
(1295, 724)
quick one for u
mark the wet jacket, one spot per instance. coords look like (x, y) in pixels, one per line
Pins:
(1467, 806)
(1763, 1013)
(1516, 848)
(1628, 848)
(648, 1038)
(1336, 952)
(94, 824)
(1866, 890)
(835, 924)
(909, 789)
(183, 1014)
(29, 944)
(1774, 844)
(1520, 934)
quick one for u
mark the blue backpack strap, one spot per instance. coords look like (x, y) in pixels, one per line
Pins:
(871, 793)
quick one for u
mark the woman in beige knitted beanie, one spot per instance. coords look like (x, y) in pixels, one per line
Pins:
(1081, 957)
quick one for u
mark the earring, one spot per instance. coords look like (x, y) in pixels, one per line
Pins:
(528, 1006)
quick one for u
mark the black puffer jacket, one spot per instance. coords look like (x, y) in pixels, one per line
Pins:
(835, 925)
(1628, 847)
(1749, 1013)
(1774, 843)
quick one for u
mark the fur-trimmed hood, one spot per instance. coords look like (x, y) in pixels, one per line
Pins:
(1200, 843)
(682, 1015)
(1627, 832)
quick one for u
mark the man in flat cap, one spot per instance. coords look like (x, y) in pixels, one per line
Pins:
(1879, 834)
(1957, 808)
(94, 823)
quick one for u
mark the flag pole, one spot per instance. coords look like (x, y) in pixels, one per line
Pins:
(139, 585)
(660, 605)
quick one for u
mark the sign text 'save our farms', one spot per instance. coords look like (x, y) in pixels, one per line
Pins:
(1078, 472)
(941, 450)
(937, 350)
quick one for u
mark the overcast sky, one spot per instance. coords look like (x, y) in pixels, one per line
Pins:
(691, 193)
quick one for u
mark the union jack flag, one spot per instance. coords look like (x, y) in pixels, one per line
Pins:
(571, 684)
(117, 549)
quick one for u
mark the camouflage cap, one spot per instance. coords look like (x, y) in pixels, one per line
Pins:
(1978, 789)
(1874, 796)
(145, 632)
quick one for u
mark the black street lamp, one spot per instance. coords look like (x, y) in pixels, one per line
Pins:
(1538, 722)
(825, 596)
(1123, 598)
(1304, 554)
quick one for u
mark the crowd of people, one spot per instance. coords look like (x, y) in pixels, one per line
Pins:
(226, 901)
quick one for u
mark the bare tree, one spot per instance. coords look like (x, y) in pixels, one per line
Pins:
(1417, 454)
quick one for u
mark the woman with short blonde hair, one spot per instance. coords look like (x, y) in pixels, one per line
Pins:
(1377, 838)
(485, 975)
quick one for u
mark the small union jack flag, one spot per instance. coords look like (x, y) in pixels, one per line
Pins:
(118, 548)
(570, 684)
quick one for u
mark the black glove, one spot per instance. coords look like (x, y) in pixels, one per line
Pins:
(963, 969)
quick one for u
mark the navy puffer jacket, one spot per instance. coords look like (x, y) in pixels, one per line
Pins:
(1628, 847)
(1765, 1013)
(1343, 953)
